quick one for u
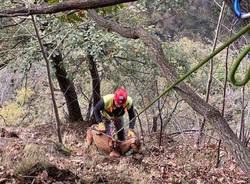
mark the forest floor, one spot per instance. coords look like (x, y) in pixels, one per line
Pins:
(33, 157)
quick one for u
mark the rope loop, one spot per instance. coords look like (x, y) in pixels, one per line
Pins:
(232, 75)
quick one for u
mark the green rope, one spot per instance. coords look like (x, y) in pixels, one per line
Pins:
(219, 49)
(195, 68)
(235, 67)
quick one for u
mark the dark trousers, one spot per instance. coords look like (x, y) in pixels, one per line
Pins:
(118, 124)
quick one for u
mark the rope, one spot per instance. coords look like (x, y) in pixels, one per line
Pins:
(195, 68)
(235, 67)
(101, 133)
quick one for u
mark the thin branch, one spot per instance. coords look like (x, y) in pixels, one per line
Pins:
(172, 113)
(132, 69)
(130, 59)
(50, 81)
(210, 78)
(183, 131)
(58, 44)
(140, 123)
(13, 24)
(218, 4)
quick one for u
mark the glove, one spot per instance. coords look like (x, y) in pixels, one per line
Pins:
(101, 127)
(131, 133)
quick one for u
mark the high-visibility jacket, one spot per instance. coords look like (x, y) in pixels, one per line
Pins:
(106, 108)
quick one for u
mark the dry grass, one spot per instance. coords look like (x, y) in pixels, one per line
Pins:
(31, 155)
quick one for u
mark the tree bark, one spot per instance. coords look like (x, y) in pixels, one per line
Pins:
(96, 84)
(59, 7)
(154, 127)
(67, 88)
(212, 115)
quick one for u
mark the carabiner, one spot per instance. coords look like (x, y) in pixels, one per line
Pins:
(235, 67)
(237, 10)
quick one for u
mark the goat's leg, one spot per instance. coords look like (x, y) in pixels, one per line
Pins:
(114, 154)
(89, 140)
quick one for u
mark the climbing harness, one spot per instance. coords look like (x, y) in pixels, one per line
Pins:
(237, 10)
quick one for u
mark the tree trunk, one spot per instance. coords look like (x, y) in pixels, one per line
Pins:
(67, 87)
(154, 127)
(212, 115)
(59, 7)
(96, 83)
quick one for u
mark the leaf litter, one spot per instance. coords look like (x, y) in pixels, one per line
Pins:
(174, 162)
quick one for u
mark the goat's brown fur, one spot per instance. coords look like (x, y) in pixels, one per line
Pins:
(107, 144)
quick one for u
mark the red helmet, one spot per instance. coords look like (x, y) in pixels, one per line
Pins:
(121, 96)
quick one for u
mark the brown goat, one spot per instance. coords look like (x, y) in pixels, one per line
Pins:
(107, 144)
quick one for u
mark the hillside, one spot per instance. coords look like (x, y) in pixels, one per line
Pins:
(165, 69)
(176, 161)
